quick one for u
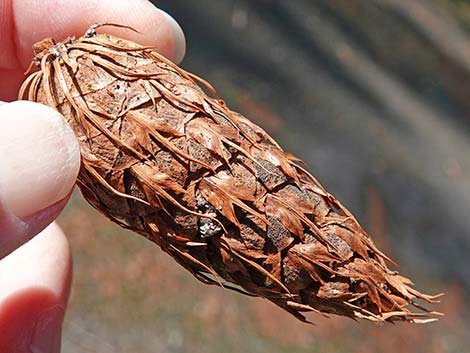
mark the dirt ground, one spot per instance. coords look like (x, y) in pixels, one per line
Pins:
(374, 96)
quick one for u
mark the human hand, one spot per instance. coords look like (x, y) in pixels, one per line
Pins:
(39, 161)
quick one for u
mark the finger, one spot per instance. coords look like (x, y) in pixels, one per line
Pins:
(34, 288)
(39, 159)
(29, 21)
(35, 20)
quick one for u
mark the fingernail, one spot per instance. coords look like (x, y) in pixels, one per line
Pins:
(47, 331)
(39, 157)
(179, 44)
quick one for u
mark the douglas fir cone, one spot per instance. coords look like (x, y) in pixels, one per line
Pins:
(212, 189)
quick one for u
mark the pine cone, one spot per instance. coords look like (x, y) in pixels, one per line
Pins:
(212, 189)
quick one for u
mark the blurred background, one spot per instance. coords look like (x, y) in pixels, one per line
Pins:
(375, 96)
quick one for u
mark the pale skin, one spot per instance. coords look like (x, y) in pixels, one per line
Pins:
(39, 161)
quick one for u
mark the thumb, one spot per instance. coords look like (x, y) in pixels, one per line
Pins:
(39, 162)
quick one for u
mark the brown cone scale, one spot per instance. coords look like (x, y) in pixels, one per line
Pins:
(212, 189)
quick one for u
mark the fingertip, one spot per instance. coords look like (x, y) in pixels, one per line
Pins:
(39, 155)
(45, 261)
(179, 42)
(40, 160)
